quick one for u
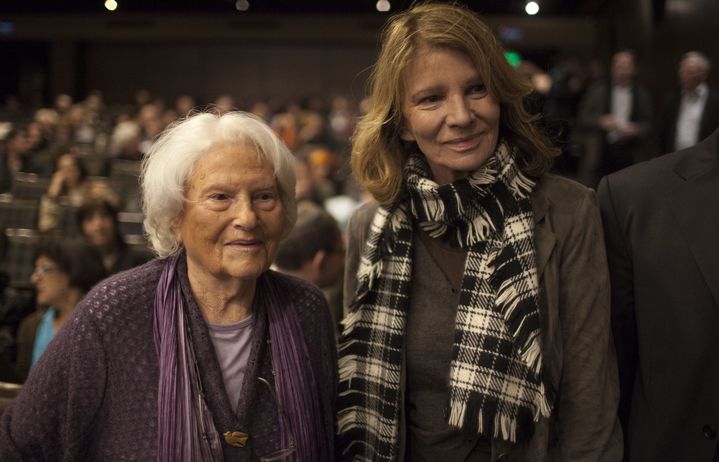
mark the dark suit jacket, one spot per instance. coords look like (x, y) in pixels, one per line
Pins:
(667, 123)
(661, 222)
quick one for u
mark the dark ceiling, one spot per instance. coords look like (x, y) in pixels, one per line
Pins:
(548, 7)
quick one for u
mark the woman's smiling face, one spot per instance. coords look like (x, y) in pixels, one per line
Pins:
(233, 219)
(448, 112)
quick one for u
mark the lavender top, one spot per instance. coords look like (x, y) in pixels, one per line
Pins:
(232, 343)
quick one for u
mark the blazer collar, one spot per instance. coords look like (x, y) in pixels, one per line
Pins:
(695, 208)
(699, 159)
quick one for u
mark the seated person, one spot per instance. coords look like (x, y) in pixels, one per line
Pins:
(15, 304)
(314, 251)
(64, 271)
(67, 185)
(98, 222)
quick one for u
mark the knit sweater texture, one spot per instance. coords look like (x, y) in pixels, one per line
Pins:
(93, 394)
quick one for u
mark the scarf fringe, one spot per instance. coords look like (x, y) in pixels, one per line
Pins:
(542, 406)
(352, 318)
(347, 419)
(503, 426)
(347, 367)
(532, 356)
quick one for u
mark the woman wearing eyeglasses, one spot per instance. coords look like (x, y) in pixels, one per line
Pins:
(203, 354)
(64, 271)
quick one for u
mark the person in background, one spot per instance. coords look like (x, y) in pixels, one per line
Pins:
(68, 185)
(661, 222)
(99, 225)
(477, 292)
(15, 305)
(203, 354)
(65, 270)
(618, 117)
(692, 113)
(15, 157)
(314, 251)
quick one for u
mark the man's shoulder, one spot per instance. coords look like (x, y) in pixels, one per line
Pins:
(645, 176)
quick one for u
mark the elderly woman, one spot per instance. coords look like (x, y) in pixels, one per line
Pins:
(478, 318)
(203, 354)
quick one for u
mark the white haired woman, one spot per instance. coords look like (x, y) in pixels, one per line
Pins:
(202, 354)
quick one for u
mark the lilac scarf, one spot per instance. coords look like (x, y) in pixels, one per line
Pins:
(294, 377)
(186, 431)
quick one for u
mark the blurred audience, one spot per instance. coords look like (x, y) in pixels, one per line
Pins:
(64, 271)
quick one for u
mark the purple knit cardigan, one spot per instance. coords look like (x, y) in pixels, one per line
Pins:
(93, 394)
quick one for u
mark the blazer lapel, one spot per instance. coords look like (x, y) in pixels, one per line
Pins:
(695, 205)
(544, 238)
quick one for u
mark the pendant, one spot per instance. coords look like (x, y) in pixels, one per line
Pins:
(236, 439)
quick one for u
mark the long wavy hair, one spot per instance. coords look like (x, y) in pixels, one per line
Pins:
(378, 153)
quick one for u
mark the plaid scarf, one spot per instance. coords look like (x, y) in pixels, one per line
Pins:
(495, 383)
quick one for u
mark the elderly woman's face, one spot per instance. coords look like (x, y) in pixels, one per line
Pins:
(233, 218)
(448, 112)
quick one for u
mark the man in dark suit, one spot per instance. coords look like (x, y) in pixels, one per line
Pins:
(616, 117)
(692, 113)
(661, 223)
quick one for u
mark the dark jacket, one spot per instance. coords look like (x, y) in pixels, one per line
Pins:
(93, 394)
(577, 349)
(661, 221)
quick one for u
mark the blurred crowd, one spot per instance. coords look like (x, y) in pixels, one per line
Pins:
(69, 170)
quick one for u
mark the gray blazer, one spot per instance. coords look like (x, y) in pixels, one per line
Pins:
(577, 346)
(661, 220)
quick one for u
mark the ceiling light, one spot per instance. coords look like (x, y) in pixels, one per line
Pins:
(531, 8)
(383, 5)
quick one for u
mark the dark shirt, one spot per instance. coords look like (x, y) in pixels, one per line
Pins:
(437, 279)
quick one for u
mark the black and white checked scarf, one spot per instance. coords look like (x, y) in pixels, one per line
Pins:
(495, 383)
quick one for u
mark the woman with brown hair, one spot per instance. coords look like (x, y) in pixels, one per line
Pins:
(477, 300)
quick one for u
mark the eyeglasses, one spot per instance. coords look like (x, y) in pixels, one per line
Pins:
(43, 270)
(281, 453)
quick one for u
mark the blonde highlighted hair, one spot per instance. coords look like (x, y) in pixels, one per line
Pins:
(378, 153)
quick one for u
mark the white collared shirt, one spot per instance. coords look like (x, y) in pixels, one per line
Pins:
(690, 117)
(621, 109)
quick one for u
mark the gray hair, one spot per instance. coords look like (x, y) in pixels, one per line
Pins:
(700, 58)
(167, 166)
